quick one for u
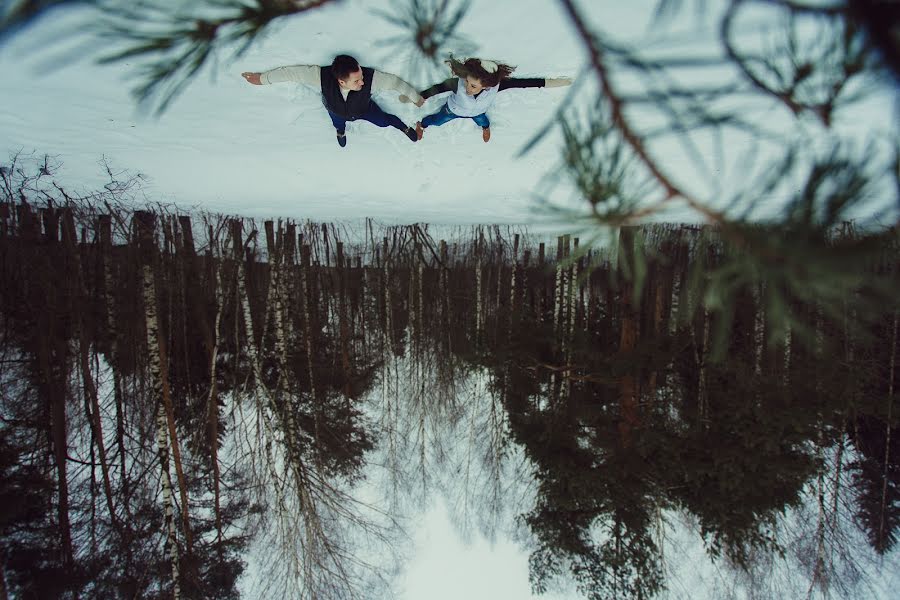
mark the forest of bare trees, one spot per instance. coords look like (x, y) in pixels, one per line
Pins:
(178, 389)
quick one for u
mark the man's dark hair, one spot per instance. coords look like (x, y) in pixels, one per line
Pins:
(343, 65)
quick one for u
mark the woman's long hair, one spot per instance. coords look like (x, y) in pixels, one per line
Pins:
(472, 67)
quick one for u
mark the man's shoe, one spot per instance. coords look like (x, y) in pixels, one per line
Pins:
(420, 131)
(486, 134)
(341, 138)
(411, 134)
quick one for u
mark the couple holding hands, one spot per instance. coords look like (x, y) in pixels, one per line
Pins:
(347, 90)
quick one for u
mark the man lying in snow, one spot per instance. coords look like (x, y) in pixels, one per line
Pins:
(479, 81)
(347, 91)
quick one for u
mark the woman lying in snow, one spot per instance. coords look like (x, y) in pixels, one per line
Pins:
(474, 88)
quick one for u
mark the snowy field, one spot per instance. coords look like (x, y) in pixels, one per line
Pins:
(270, 151)
(228, 146)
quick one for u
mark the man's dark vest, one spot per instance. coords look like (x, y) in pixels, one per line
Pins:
(356, 104)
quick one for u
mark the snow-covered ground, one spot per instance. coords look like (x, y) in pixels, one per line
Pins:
(270, 151)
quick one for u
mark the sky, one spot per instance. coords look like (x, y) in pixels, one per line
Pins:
(270, 151)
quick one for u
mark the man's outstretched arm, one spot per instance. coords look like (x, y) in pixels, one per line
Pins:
(382, 82)
(309, 74)
(448, 85)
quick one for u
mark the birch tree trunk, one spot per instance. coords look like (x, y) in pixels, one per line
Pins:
(479, 308)
(168, 501)
(158, 379)
(159, 372)
(559, 293)
(281, 404)
(512, 279)
(420, 293)
(559, 288)
(759, 328)
(673, 316)
(786, 379)
(702, 358)
(573, 307)
(158, 357)
(388, 302)
(212, 400)
(887, 440)
(541, 300)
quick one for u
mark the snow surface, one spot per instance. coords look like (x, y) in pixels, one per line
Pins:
(270, 151)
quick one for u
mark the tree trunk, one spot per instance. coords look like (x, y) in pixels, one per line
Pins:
(786, 379)
(159, 385)
(838, 472)
(168, 500)
(673, 315)
(479, 250)
(159, 373)
(92, 405)
(60, 453)
(52, 366)
(887, 440)
(628, 407)
(344, 324)
(388, 302)
(93, 416)
(658, 309)
(759, 329)
(305, 274)
(559, 289)
(702, 358)
(212, 401)
(818, 576)
(568, 324)
(112, 332)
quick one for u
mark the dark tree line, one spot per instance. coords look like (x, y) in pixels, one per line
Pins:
(175, 387)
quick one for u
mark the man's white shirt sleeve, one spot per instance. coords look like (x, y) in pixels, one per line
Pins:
(382, 82)
(309, 74)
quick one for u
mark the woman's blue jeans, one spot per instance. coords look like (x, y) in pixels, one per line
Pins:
(444, 115)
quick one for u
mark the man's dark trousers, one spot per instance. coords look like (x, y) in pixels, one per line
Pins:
(373, 115)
